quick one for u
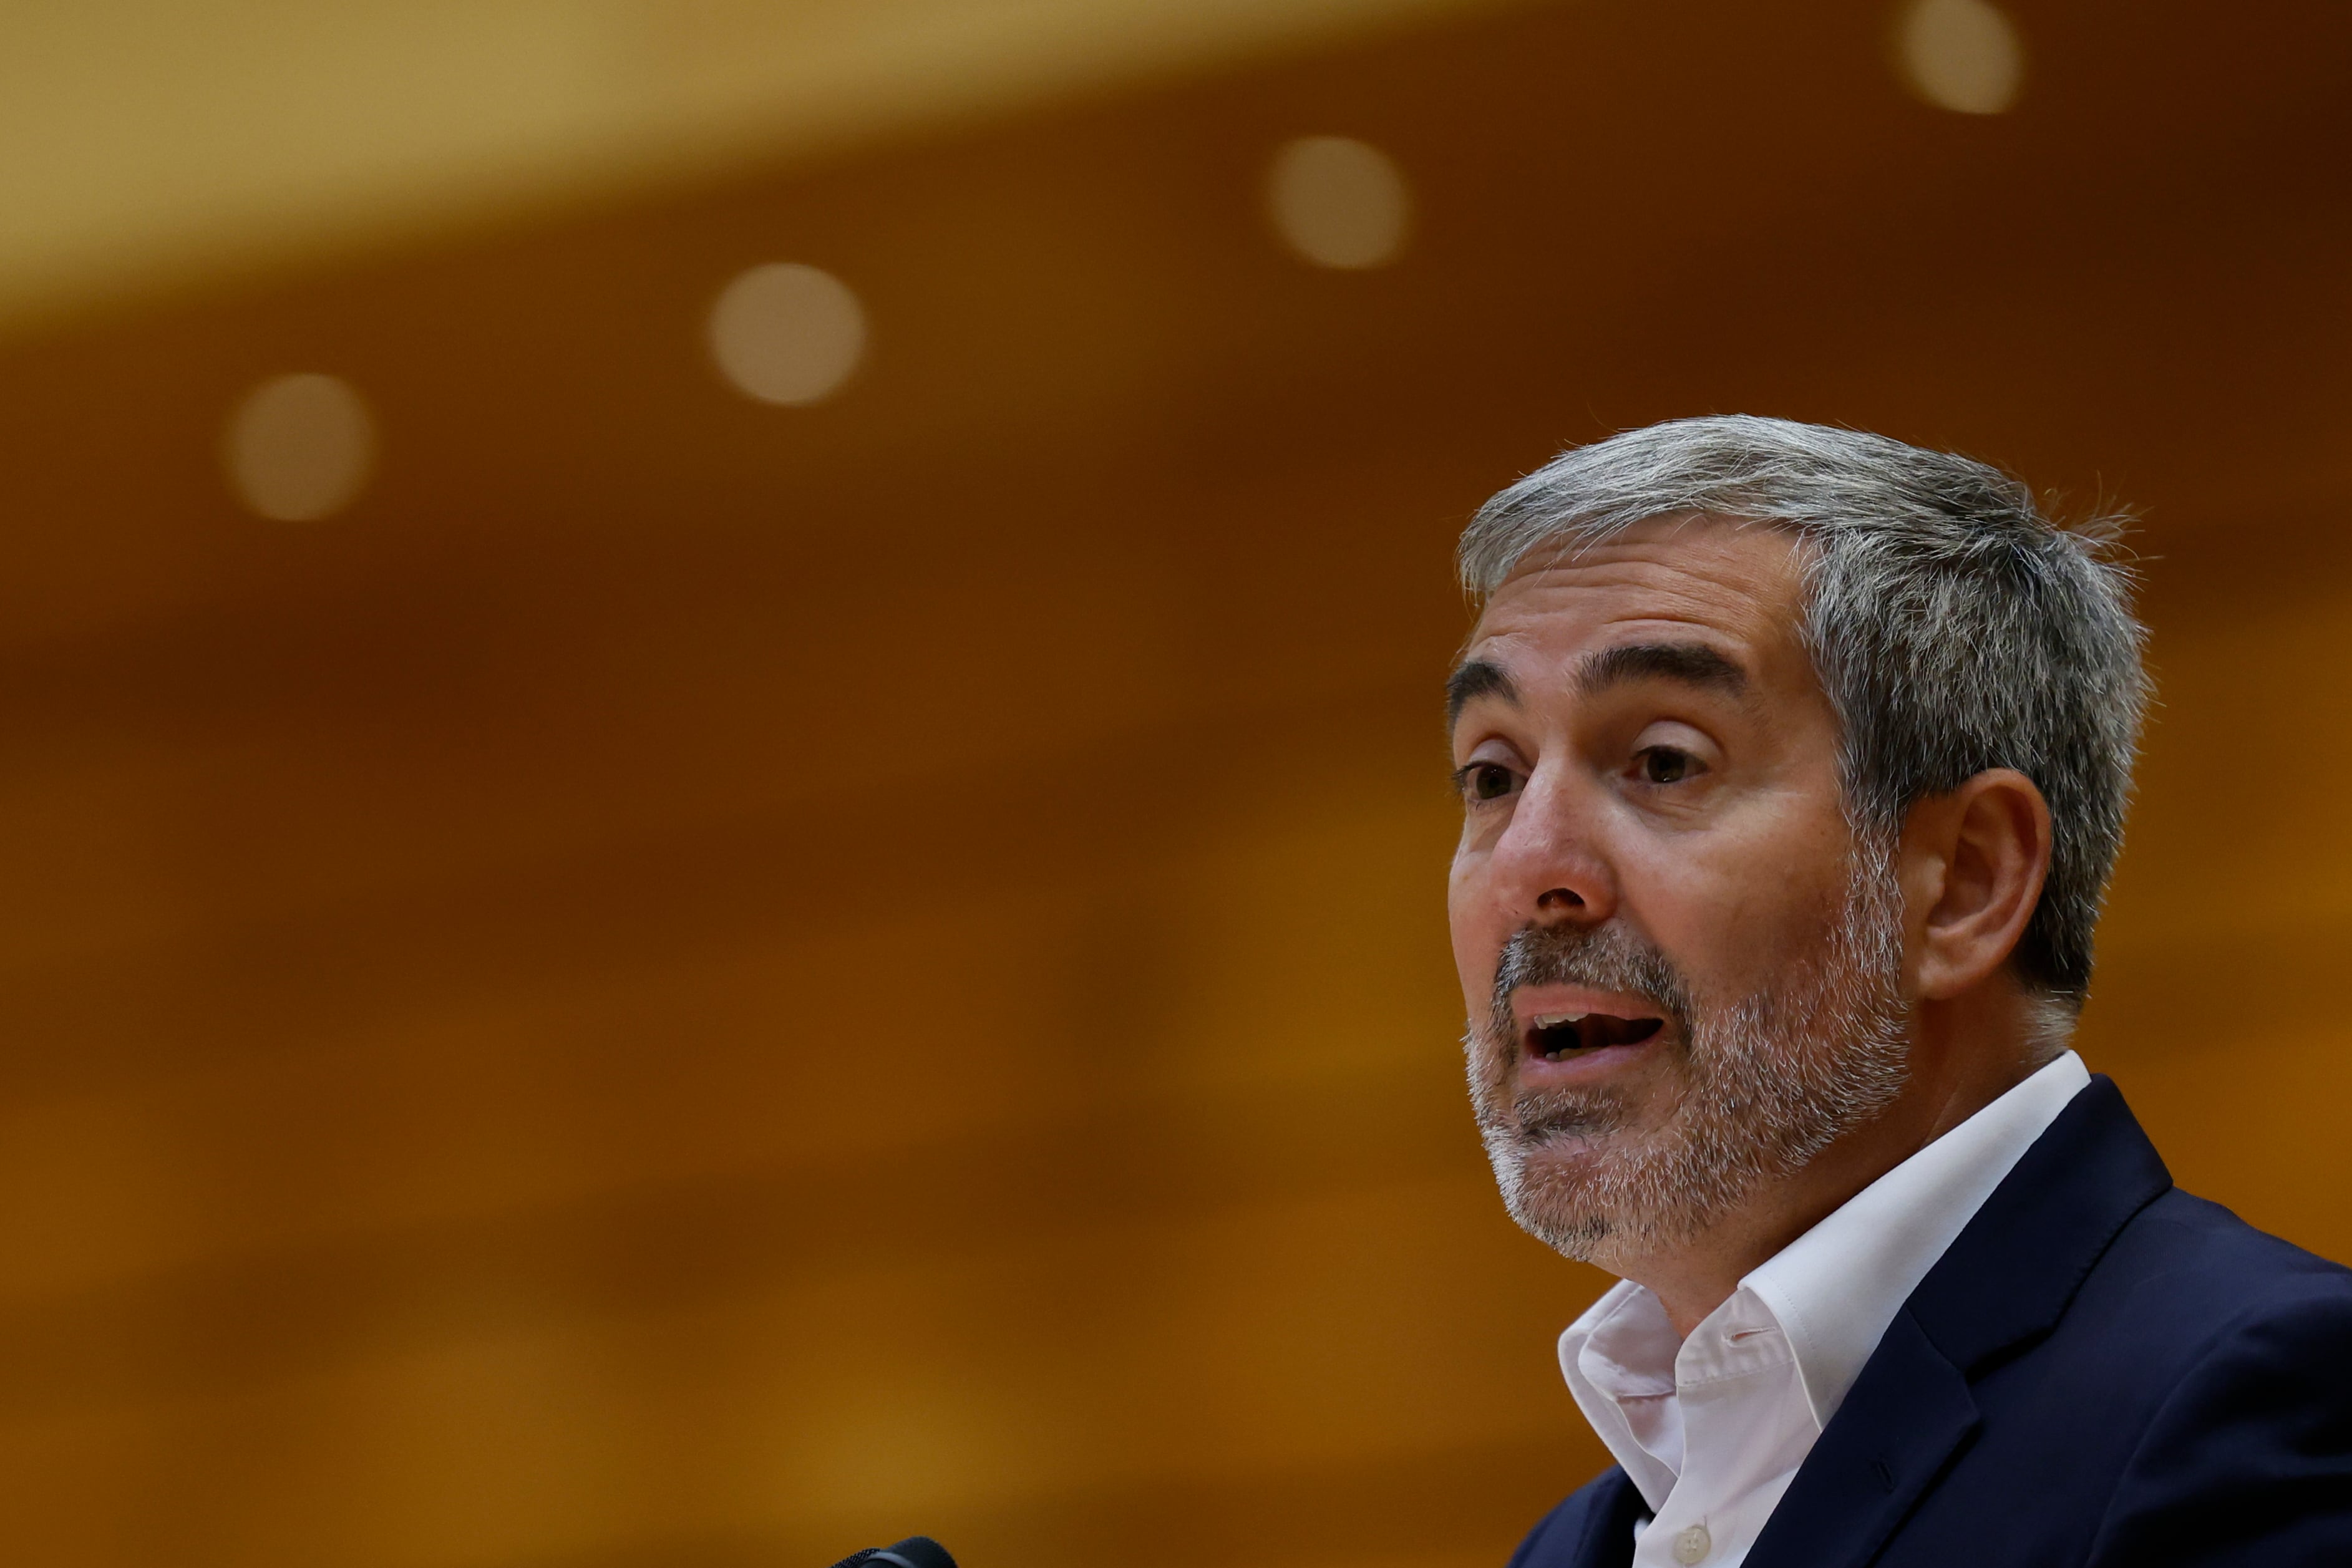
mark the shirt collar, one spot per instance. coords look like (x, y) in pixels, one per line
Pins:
(1832, 1290)
(1621, 1350)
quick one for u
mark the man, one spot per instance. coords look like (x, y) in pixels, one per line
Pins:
(1794, 763)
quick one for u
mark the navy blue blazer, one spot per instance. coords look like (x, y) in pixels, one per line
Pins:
(2102, 1370)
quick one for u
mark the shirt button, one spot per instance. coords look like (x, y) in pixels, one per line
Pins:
(1691, 1546)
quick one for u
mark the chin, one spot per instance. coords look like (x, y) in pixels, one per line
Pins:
(1559, 1192)
(1609, 1198)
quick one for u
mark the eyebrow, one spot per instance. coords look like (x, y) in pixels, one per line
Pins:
(1476, 678)
(1689, 663)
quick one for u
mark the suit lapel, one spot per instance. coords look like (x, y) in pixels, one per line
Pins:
(1607, 1541)
(2004, 1282)
(2010, 1276)
(1906, 1415)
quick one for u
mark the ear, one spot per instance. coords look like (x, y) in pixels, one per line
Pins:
(1973, 865)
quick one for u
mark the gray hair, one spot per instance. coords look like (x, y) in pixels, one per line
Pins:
(1954, 627)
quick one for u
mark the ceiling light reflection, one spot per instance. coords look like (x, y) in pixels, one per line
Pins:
(299, 447)
(1339, 202)
(1962, 55)
(786, 333)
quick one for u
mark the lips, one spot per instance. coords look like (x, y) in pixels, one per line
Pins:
(1563, 1037)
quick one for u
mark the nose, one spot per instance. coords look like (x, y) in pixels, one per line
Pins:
(1549, 867)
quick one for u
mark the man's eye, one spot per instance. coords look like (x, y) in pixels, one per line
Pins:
(1664, 765)
(1486, 781)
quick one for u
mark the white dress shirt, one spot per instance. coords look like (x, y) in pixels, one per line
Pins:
(1712, 1429)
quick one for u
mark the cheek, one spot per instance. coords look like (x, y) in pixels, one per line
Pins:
(1477, 943)
(1736, 922)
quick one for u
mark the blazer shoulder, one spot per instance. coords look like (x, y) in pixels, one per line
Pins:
(2248, 1458)
(2184, 1282)
(1592, 1526)
(2196, 1264)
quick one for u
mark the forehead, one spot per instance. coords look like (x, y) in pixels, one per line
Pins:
(1733, 586)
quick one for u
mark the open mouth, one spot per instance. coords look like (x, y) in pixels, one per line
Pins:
(1559, 1037)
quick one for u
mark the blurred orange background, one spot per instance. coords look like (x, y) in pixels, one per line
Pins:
(602, 972)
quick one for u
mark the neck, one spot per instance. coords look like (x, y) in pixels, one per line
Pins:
(1965, 1054)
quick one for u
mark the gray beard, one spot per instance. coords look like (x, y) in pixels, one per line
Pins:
(1768, 1081)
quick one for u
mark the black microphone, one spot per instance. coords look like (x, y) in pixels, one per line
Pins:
(915, 1552)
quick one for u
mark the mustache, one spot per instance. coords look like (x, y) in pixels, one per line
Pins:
(1600, 957)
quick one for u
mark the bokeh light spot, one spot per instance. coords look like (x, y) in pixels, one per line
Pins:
(787, 333)
(1962, 55)
(1339, 202)
(299, 447)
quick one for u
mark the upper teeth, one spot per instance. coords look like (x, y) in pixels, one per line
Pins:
(1553, 1020)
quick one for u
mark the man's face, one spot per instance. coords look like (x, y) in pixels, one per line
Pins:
(1681, 969)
